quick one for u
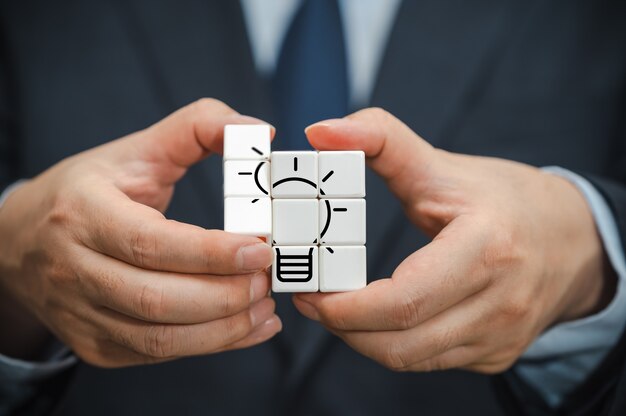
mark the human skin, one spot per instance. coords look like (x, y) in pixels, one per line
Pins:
(514, 250)
(87, 254)
(90, 257)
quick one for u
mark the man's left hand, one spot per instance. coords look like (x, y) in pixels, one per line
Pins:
(514, 251)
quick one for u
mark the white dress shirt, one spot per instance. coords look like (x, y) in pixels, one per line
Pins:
(560, 358)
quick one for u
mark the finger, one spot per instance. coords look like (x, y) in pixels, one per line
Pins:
(191, 133)
(393, 150)
(260, 334)
(457, 357)
(108, 354)
(169, 341)
(141, 236)
(168, 297)
(425, 284)
(400, 350)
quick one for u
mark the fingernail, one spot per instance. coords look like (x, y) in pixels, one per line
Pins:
(261, 311)
(254, 257)
(258, 286)
(266, 330)
(307, 309)
(325, 123)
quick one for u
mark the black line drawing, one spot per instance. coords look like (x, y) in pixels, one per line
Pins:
(294, 179)
(298, 264)
(330, 250)
(324, 179)
(245, 173)
(328, 217)
(255, 200)
(256, 178)
(255, 150)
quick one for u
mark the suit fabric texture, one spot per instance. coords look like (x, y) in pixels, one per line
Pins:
(540, 82)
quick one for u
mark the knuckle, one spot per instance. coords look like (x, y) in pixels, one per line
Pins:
(394, 357)
(516, 309)
(431, 365)
(501, 360)
(503, 252)
(123, 338)
(94, 359)
(57, 272)
(144, 248)
(515, 350)
(95, 353)
(233, 300)
(236, 327)
(207, 104)
(159, 341)
(493, 368)
(379, 113)
(405, 313)
(332, 315)
(150, 302)
(444, 339)
(60, 215)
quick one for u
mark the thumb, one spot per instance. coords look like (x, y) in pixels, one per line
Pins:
(190, 134)
(394, 151)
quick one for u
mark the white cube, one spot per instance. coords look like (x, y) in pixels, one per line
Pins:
(246, 178)
(341, 174)
(295, 222)
(247, 141)
(249, 216)
(342, 268)
(342, 222)
(294, 174)
(295, 269)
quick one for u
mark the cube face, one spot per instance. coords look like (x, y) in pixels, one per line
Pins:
(247, 142)
(294, 174)
(246, 178)
(295, 269)
(341, 174)
(342, 268)
(308, 205)
(342, 221)
(249, 216)
(295, 221)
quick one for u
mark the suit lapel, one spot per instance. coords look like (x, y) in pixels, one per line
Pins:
(200, 49)
(425, 85)
(431, 89)
(195, 49)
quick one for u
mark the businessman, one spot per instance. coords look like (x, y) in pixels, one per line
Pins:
(496, 248)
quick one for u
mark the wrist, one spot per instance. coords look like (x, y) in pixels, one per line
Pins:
(592, 280)
(21, 333)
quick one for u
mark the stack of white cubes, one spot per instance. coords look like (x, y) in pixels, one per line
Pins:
(309, 205)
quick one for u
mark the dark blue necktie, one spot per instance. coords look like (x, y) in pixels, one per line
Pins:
(309, 85)
(310, 82)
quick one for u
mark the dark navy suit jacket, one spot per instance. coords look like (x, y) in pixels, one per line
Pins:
(541, 82)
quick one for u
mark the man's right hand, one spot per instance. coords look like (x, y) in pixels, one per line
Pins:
(86, 250)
